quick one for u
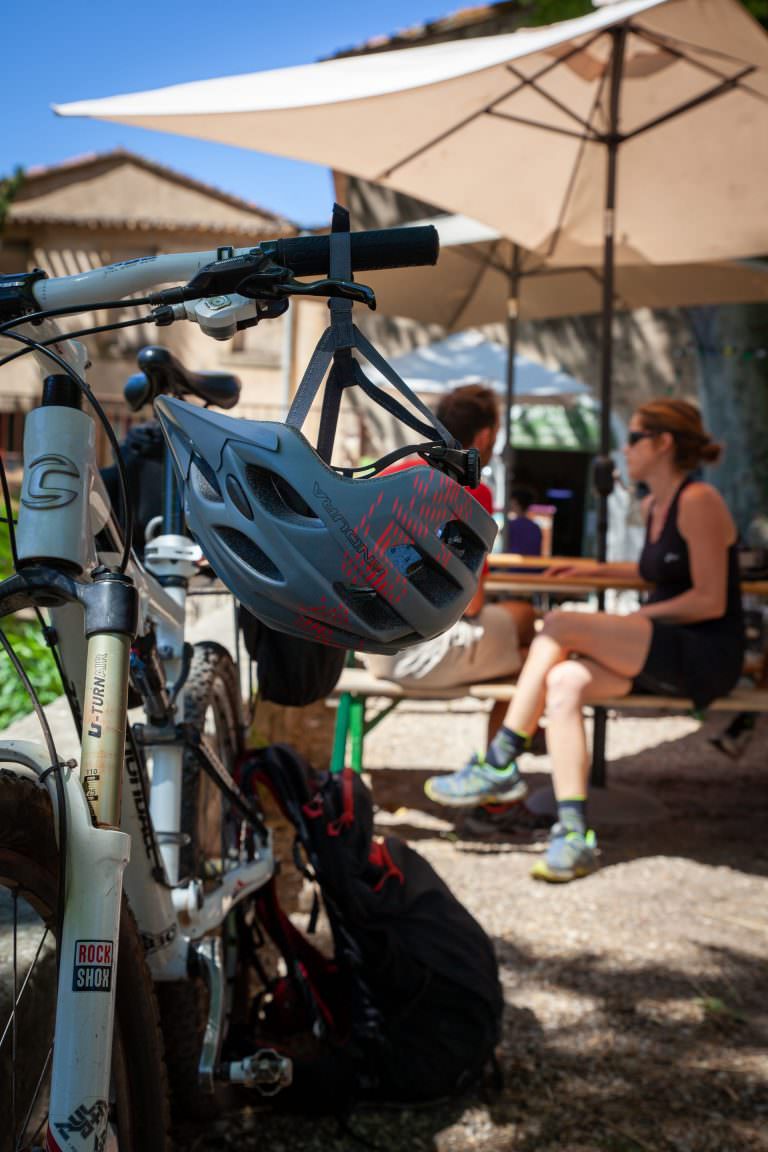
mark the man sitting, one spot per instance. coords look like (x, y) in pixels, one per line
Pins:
(485, 644)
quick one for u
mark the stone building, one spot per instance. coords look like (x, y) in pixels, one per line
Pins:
(100, 209)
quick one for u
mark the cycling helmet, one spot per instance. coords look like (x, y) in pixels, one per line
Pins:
(374, 564)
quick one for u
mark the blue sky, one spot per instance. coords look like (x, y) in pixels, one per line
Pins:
(56, 51)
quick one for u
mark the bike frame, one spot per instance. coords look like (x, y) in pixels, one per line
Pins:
(63, 507)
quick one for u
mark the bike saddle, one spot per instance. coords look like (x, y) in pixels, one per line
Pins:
(162, 374)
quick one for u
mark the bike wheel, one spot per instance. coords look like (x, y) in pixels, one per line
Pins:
(28, 892)
(212, 704)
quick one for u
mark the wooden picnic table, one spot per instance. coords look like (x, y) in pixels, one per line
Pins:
(501, 579)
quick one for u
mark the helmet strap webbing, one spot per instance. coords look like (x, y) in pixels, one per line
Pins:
(334, 350)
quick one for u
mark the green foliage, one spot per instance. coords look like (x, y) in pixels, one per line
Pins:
(550, 11)
(29, 646)
(9, 187)
(759, 9)
(28, 643)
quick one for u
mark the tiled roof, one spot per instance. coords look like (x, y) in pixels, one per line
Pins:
(475, 21)
(48, 196)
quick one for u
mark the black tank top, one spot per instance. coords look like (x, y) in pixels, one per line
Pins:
(664, 563)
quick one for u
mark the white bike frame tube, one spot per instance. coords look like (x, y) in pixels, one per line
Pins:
(96, 857)
(166, 948)
(82, 1058)
(115, 281)
(167, 760)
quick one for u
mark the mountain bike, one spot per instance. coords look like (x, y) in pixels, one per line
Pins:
(127, 876)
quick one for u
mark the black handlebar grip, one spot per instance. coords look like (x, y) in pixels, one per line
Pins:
(380, 248)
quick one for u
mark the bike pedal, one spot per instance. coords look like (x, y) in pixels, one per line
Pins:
(266, 1070)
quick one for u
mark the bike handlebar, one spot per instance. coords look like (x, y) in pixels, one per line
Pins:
(380, 248)
(303, 255)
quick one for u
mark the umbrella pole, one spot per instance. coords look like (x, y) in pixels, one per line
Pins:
(604, 462)
(509, 400)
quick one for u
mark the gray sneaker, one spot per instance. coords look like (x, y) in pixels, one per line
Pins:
(569, 856)
(477, 783)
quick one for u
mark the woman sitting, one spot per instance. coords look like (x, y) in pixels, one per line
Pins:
(687, 639)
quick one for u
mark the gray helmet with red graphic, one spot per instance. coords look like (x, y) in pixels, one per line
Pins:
(375, 563)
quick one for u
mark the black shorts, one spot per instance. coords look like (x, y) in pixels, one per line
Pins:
(690, 661)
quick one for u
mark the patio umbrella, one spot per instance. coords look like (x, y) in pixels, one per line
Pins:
(634, 134)
(482, 271)
(486, 278)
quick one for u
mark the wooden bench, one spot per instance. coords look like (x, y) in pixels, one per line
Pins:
(357, 686)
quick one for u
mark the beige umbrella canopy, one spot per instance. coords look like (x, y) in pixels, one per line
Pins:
(633, 135)
(513, 129)
(485, 278)
(475, 282)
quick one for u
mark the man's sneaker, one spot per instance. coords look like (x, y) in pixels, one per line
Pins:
(569, 856)
(477, 783)
(505, 822)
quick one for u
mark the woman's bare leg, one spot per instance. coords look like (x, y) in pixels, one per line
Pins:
(572, 849)
(570, 685)
(618, 644)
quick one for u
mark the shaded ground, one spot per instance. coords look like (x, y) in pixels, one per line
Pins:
(637, 1000)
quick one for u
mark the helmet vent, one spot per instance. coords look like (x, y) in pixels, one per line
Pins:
(238, 497)
(276, 496)
(464, 544)
(433, 582)
(249, 553)
(203, 480)
(366, 603)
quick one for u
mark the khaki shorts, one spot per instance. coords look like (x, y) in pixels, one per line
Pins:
(484, 648)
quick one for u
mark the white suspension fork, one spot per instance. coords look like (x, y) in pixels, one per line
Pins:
(177, 557)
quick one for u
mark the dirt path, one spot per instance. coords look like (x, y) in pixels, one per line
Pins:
(636, 1015)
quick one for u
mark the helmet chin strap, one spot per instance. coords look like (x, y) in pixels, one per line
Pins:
(334, 350)
(461, 464)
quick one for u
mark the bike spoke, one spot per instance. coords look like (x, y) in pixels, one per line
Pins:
(15, 900)
(17, 1000)
(32, 1103)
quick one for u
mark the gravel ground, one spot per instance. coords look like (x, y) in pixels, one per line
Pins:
(636, 1014)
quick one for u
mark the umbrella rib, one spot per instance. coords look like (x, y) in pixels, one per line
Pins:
(704, 98)
(572, 180)
(670, 44)
(488, 109)
(468, 296)
(587, 127)
(591, 136)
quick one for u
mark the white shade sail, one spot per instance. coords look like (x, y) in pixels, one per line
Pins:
(467, 357)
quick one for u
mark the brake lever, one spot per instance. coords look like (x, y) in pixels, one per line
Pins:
(256, 287)
(345, 289)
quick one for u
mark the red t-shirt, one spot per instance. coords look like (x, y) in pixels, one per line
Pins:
(482, 493)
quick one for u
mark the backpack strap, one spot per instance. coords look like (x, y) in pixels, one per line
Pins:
(380, 857)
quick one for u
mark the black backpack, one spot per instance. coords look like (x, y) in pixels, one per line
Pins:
(410, 1005)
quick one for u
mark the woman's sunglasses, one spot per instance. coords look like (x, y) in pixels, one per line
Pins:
(634, 437)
